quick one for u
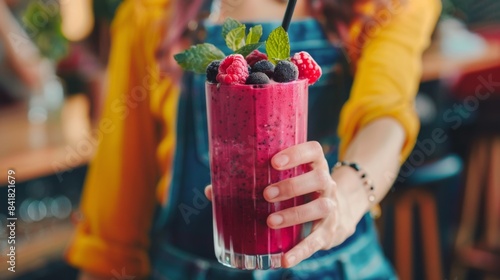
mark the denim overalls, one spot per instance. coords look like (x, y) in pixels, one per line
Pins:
(183, 237)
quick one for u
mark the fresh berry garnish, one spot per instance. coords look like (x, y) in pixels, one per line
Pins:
(233, 70)
(255, 56)
(258, 78)
(212, 71)
(285, 71)
(264, 66)
(308, 68)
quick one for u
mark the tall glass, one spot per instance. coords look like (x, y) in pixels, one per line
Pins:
(248, 125)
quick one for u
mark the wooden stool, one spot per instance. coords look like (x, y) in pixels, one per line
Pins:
(477, 243)
(403, 211)
(416, 194)
(478, 238)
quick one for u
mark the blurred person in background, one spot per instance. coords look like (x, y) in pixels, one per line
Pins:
(154, 144)
(19, 58)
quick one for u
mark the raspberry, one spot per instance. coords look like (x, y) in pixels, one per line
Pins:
(212, 71)
(233, 70)
(264, 66)
(308, 68)
(258, 78)
(255, 56)
(285, 71)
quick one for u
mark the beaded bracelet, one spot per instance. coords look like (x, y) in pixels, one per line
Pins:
(367, 183)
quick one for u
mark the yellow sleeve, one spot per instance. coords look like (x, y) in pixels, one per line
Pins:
(119, 197)
(389, 70)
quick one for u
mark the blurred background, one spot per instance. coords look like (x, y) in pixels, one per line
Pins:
(440, 221)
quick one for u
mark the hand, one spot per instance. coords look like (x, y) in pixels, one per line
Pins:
(335, 218)
(335, 211)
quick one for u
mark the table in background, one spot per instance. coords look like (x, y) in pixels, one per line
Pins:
(36, 152)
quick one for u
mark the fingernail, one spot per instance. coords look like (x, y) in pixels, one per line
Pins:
(276, 219)
(272, 192)
(281, 160)
(291, 260)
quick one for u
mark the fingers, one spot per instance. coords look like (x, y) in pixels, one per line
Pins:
(305, 153)
(208, 192)
(325, 236)
(306, 248)
(317, 180)
(312, 211)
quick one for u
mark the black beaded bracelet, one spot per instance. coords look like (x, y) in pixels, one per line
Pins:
(367, 183)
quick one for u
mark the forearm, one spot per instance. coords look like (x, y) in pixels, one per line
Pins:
(376, 148)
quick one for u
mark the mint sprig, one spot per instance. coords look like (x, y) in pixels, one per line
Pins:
(247, 49)
(235, 39)
(278, 45)
(228, 25)
(197, 57)
(254, 35)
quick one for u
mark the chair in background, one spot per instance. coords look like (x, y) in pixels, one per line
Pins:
(477, 246)
(417, 195)
(478, 238)
(429, 169)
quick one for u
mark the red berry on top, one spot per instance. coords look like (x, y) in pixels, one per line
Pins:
(308, 68)
(254, 57)
(233, 70)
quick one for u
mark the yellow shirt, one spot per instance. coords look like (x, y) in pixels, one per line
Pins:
(131, 169)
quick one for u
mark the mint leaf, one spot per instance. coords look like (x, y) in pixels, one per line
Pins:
(197, 57)
(228, 25)
(247, 49)
(278, 45)
(235, 39)
(254, 34)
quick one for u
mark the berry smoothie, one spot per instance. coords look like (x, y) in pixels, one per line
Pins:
(256, 107)
(248, 125)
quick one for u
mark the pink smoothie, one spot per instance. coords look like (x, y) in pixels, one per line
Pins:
(248, 124)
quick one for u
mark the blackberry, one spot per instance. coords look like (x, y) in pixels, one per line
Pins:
(212, 71)
(258, 78)
(285, 71)
(264, 66)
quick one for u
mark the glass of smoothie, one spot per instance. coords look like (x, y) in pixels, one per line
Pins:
(248, 125)
(256, 107)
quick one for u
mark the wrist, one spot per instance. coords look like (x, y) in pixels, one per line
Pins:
(350, 187)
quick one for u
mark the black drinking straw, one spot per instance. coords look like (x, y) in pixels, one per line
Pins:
(288, 14)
